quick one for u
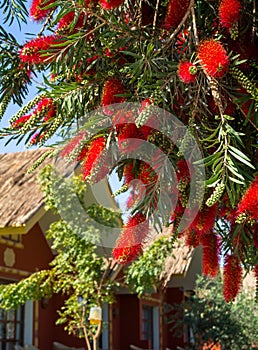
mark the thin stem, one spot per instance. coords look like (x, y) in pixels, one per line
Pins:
(194, 26)
(46, 23)
(172, 36)
(140, 13)
(84, 329)
(96, 337)
(155, 15)
(254, 26)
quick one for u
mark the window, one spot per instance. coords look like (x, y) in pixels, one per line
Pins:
(147, 323)
(11, 328)
(150, 325)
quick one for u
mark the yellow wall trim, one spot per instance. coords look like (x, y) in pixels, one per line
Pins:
(10, 270)
(9, 243)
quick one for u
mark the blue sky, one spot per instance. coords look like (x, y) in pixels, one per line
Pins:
(21, 35)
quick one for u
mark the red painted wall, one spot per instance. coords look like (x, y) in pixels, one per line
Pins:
(36, 255)
(172, 296)
(126, 323)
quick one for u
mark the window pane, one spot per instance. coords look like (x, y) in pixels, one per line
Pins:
(11, 327)
(147, 323)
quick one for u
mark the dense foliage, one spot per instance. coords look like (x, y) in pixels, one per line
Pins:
(211, 320)
(77, 272)
(190, 69)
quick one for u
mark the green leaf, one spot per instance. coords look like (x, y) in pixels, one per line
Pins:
(241, 159)
(234, 171)
(237, 151)
(236, 180)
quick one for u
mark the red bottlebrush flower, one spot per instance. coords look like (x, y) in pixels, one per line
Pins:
(65, 22)
(149, 178)
(128, 245)
(112, 87)
(82, 154)
(145, 103)
(229, 13)
(145, 131)
(102, 167)
(147, 175)
(121, 118)
(95, 150)
(210, 259)
(110, 4)
(213, 58)
(36, 138)
(74, 145)
(45, 107)
(175, 12)
(187, 72)
(32, 51)
(183, 170)
(129, 172)
(205, 219)
(192, 239)
(249, 202)
(181, 43)
(129, 138)
(20, 122)
(232, 277)
(38, 11)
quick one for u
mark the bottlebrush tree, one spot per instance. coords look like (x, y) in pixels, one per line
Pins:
(193, 60)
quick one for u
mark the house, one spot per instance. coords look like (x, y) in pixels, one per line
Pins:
(142, 323)
(130, 322)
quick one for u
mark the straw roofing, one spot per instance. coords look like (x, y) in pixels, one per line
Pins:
(20, 194)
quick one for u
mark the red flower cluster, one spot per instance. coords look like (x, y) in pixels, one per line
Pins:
(21, 121)
(65, 22)
(36, 138)
(187, 72)
(45, 107)
(130, 137)
(38, 11)
(92, 156)
(183, 170)
(249, 202)
(213, 58)
(128, 245)
(129, 173)
(210, 260)
(232, 277)
(112, 87)
(181, 43)
(32, 51)
(204, 221)
(110, 4)
(175, 12)
(229, 13)
(147, 175)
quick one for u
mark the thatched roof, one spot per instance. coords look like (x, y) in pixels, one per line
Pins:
(177, 264)
(20, 194)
